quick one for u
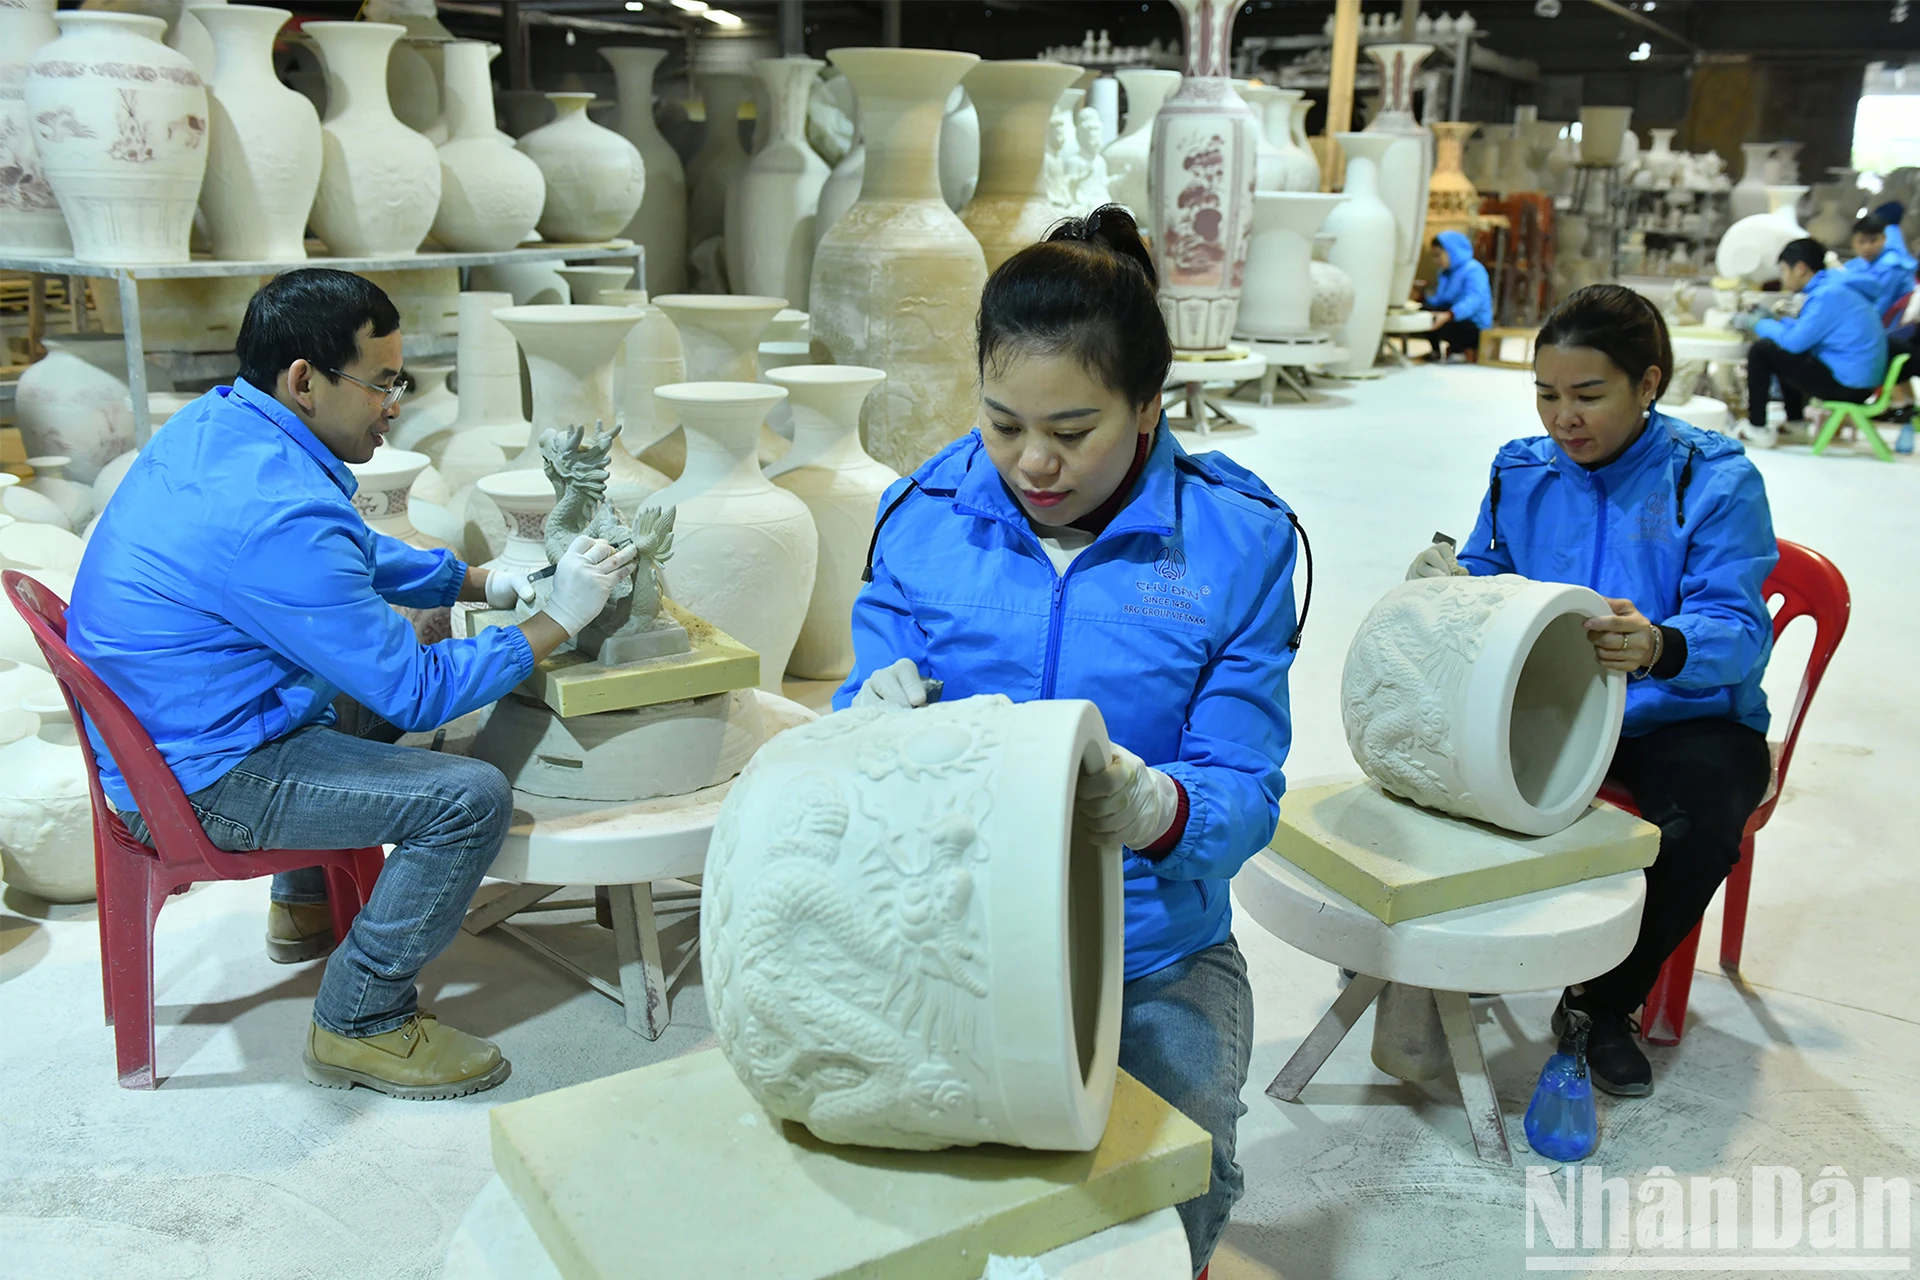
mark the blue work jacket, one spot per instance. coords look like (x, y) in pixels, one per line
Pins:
(1839, 327)
(1177, 622)
(231, 591)
(1679, 525)
(1462, 288)
(1885, 280)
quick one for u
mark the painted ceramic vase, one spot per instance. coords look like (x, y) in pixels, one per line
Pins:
(595, 179)
(780, 190)
(491, 194)
(661, 222)
(30, 219)
(1453, 204)
(1127, 155)
(263, 142)
(1407, 167)
(379, 180)
(1014, 100)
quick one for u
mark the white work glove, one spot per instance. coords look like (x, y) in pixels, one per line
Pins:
(1127, 800)
(507, 588)
(584, 579)
(1436, 561)
(897, 687)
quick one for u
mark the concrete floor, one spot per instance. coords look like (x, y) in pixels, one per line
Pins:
(236, 1167)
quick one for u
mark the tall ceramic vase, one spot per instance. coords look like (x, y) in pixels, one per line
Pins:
(490, 193)
(120, 122)
(379, 180)
(1363, 229)
(959, 150)
(1279, 293)
(1408, 166)
(744, 552)
(1452, 202)
(897, 280)
(1203, 161)
(720, 333)
(1297, 169)
(780, 189)
(1307, 160)
(661, 223)
(385, 482)
(30, 220)
(1010, 209)
(1749, 195)
(655, 358)
(829, 471)
(263, 142)
(1127, 154)
(720, 160)
(595, 180)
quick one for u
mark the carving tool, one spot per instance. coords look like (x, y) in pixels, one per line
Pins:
(934, 689)
(549, 571)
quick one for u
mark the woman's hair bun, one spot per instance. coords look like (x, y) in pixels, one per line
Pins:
(1110, 225)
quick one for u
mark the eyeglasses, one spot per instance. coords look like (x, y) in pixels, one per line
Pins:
(390, 395)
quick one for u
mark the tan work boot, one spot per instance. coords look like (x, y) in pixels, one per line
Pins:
(418, 1060)
(299, 931)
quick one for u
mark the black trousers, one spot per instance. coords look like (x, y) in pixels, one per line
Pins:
(1801, 374)
(1698, 781)
(1457, 336)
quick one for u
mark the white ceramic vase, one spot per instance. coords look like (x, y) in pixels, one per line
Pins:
(386, 482)
(721, 159)
(851, 846)
(51, 481)
(46, 810)
(720, 333)
(73, 401)
(841, 189)
(586, 285)
(1364, 230)
(959, 150)
(829, 471)
(1306, 162)
(1603, 134)
(1296, 170)
(1482, 697)
(595, 179)
(263, 142)
(780, 190)
(897, 280)
(491, 194)
(654, 358)
(525, 497)
(744, 552)
(1407, 168)
(428, 412)
(22, 505)
(1749, 195)
(661, 222)
(1010, 209)
(120, 123)
(487, 362)
(1127, 155)
(1278, 297)
(1204, 159)
(1270, 166)
(379, 180)
(1750, 248)
(30, 220)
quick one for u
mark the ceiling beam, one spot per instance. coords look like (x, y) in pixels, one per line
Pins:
(1639, 19)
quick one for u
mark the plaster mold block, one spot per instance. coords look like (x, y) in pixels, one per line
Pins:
(906, 940)
(1482, 697)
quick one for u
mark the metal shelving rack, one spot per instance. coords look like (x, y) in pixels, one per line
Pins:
(128, 280)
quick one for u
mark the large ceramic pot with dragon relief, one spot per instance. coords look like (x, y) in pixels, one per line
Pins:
(1482, 697)
(907, 940)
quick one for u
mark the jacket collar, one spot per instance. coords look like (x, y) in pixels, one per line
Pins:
(1150, 509)
(280, 416)
(1655, 443)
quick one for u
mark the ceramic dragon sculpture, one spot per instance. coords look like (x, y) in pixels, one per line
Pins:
(577, 469)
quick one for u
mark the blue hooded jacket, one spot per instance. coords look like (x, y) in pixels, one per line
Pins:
(1462, 288)
(1885, 280)
(1839, 327)
(1176, 622)
(1679, 525)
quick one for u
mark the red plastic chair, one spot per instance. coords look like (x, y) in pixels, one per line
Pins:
(134, 880)
(1808, 586)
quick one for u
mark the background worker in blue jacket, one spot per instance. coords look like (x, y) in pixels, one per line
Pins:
(1462, 299)
(1070, 548)
(1834, 350)
(231, 591)
(1670, 523)
(1880, 270)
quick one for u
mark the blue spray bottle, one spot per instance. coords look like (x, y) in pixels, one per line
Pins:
(1904, 444)
(1561, 1122)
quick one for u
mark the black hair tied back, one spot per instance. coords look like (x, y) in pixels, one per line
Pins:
(1087, 290)
(1620, 324)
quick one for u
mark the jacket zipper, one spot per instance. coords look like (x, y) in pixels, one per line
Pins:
(1600, 531)
(1054, 626)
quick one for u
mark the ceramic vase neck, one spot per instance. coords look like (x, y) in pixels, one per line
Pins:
(1145, 90)
(789, 83)
(633, 77)
(355, 55)
(468, 88)
(826, 422)
(1399, 64)
(81, 22)
(723, 95)
(569, 109)
(723, 453)
(1015, 104)
(242, 41)
(1209, 29)
(903, 100)
(1363, 164)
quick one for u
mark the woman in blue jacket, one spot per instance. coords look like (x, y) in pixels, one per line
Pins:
(1670, 523)
(1070, 548)
(1462, 300)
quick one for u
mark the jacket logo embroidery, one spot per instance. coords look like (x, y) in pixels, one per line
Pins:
(1172, 565)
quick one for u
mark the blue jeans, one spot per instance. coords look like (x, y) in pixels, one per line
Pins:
(317, 788)
(1186, 1032)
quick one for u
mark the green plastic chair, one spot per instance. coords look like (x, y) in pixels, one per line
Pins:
(1862, 415)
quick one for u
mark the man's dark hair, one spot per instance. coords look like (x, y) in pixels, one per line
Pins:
(1805, 252)
(313, 314)
(1869, 227)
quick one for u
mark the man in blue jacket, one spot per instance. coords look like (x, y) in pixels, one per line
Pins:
(1834, 350)
(1462, 299)
(1880, 270)
(231, 591)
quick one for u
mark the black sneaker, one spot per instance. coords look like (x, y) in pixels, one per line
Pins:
(1613, 1053)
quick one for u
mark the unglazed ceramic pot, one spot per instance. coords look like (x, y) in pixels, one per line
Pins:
(1010, 209)
(30, 220)
(780, 190)
(488, 365)
(829, 471)
(1482, 697)
(588, 285)
(379, 180)
(1750, 248)
(897, 280)
(1749, 195)
(428, 412)
(386, 480)
(1270, 169)
(1407, 167)
(853, 850)
(1204, 159)
(1298, 169)
(720, 333)
(263, 142)
(21, 504)
(959, 150)
(1278, 297)
(46, 812)
(73, 401)
(661, 222)
(654, 358)
(50, 481)
(1603, 132)
(1364, 229)
(1127, 155)
(490, 193)
(744, 552)
(720, 160)
(595, 179)
(120, 123)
